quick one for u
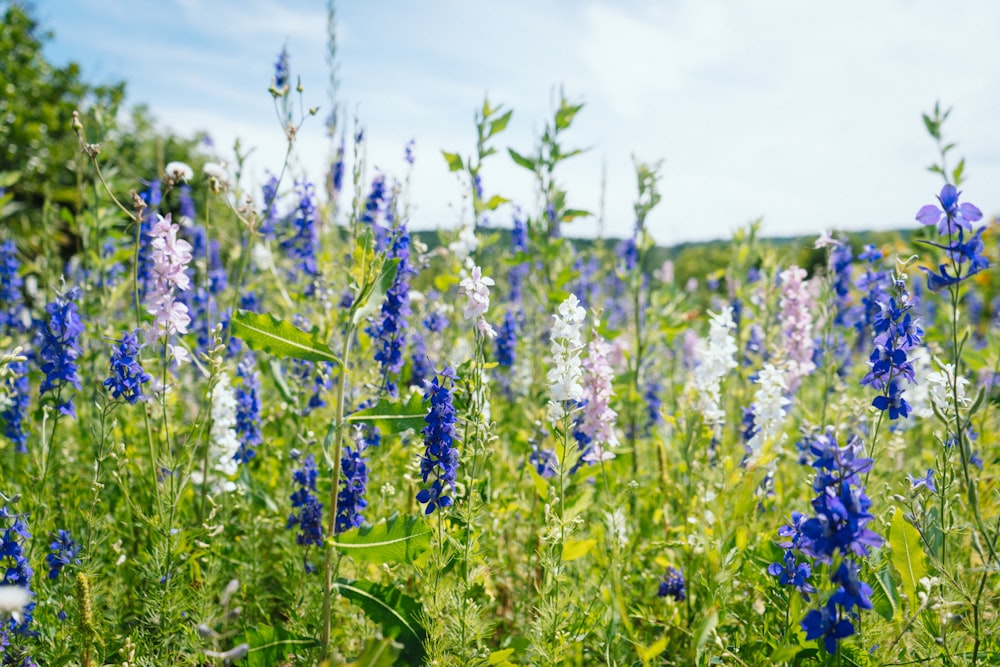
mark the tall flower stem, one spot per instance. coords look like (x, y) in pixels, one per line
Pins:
(335, 455)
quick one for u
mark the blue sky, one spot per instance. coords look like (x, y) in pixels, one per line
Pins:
(805, 114)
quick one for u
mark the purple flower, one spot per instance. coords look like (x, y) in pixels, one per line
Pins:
(354, 485)
(59, 348)
(829, 623)
(672, 585)
(951, 216)
(247, 408)
(792, 573)
(309, 518)
(127, 375)
(63, 551)
(18, 389)
(440, 458)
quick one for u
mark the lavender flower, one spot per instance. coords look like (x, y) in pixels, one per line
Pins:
(440, 458)
(797, 325)
(952, 217)
(599, 418)
(59, 348)
(170, 258)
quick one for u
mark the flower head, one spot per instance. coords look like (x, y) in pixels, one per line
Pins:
(951, 216)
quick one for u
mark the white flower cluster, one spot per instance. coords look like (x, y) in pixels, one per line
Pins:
(939, 387)
(716, 357)
(476, 288)
(566, 374)
(768, 407)
(224, 441)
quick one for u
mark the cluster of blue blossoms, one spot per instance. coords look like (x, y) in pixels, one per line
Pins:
(16, 572)
(440, 459)
(835, 535)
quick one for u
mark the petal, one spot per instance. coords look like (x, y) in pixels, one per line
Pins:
(929, 215)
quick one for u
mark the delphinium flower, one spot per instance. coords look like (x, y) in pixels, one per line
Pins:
(374, 207)
(269, 216)
(336, 178)
(586, 286)
(840, 263)
(897, 333)
(837, 534)
(544, 461)
(388, 329)
(247, 408)
(651, 395)
(565, 376)
(793, 573)
(506, 350)
(599, 418)
(925, 482)
(223, 442)
(59, 348)
(465, 244)
(309, 517)
(672, 585)
(280, 80)
(127, 375)
(440, 458)
(965, 254)
(519, 272)
(16, 572)
(871, 285)
(796, 325)
(63, 551)
(769, 403)
(716, 357)
(476, 289)
(12, 311)
(17, 389)
(301, 244)
(171, 256)
(354, 485)
(943, 388)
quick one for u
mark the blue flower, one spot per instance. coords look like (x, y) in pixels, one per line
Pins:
(354, 485)
(544, 461)
(828, 623)
(389, 328)
(59, 348)
(247, 408)
(63, 551)
(440, 458)
(11, 297)
(792, 573)
(951, 216)
(309, 518)
(18, 389)
(672, 585)
(127, 375)
(16, 572)
(301, 245)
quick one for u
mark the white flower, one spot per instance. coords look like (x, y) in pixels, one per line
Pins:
(224, 442)
(13, 600)
(939, 386)
(466, 243)
(716, 358)
(768, 407)
(217, 171)
(476, 289)
(565, 376)
(179, 172)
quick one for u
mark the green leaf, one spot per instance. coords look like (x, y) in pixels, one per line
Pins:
(883, 592)
(907, 555)
(267, 333)
(377, 653)
(270, 645)
(565, 115)
(394, 540)
(453, 160)
(956, 175)
(525, 162)
(571, 213)
(705, 629)
(373, 300)
(397, 614)
(495, 201)
(653, 651)
(500, 124)
(785, 653)
(391, 417)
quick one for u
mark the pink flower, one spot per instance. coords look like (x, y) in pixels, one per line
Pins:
(598, 417)
(170, 256)
(797, 325)
(476, 289)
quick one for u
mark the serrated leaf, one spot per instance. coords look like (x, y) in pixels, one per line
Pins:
(574, 549)
(907, 555)
(393, 417)
(394, 540)
(267, 333)
(373, 300)
(519, 159)
(454, 161)
(377, 653)
(396, 612)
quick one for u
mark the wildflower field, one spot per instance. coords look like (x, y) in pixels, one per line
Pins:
(275, 426)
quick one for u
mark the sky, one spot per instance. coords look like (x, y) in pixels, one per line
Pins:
(807, 115)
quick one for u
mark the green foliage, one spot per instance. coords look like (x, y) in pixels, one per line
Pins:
(393, 540)
(267, 333)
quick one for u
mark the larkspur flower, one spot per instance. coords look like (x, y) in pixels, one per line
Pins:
(63, 551)
(951, 216)
(279, 82)
(897, 333)
(223, 442)
(16, 572)
(790, 572)
(17, 390)
(672, 585)
(247, 408)
(925, 482)
(353, 486)
(829, 623)
(309, 517)
(565, 376)
(440, 457)
(599, 418)
(390, 327)
(59, 348)
(301, 244)
(127, 375)
(769, 404)
(796, 325)
(12, 310)
(476, 289)
(375, 205)
(716, 357)
(170, 257)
